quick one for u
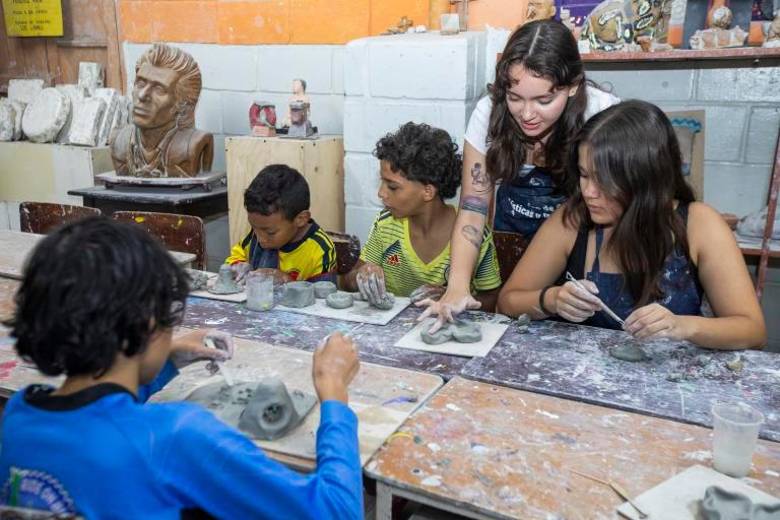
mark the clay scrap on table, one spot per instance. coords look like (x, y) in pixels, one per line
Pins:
(198, 279)
(721, 504)
(339, 300)
(264, 410)
(460, 331)
(298, 294)
(629, 352)
(225, 283)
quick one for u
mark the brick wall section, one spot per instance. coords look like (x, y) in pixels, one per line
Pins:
(426, 78)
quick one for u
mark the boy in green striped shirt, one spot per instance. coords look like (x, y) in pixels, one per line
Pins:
(408, 250)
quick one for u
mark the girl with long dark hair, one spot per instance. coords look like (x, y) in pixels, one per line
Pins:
(636, 241)
(517, 138)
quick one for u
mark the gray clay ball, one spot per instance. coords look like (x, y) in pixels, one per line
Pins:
(356, 296)
(442, 335)
(298, 294)
(385, 303)
(628, 352)
(323, 289)
(466, 332)
(339, 300)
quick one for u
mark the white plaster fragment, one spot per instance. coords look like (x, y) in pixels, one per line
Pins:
(7, 120)
(24, 90)
(75, 93)
(90, 76)
(46, 115)
(111, 97)
(86, 122)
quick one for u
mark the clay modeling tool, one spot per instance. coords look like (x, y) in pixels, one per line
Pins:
(615, 487)
(604, 307)
(221, 366)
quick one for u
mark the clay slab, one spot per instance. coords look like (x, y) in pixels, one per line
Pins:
(239, 297)
(491, 333)
(360, 312)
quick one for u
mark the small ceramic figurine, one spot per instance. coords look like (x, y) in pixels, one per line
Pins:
(773, 33)
(540, 10)
(262, 119)
(624, 24)
(298, 96)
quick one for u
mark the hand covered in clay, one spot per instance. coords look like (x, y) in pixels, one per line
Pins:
(335, 365)
(371, 282)
(450, 305)
(573, 303)
(279, 277)
(427, 292)
(240, 270)
(656, 321)
(195, 346)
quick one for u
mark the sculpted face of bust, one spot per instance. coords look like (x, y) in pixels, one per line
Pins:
(154, 96)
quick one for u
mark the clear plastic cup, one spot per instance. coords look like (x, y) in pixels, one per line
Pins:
(259, 291)
(735, 433)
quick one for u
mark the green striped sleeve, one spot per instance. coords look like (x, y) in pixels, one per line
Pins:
(487, 275)
(373, 248)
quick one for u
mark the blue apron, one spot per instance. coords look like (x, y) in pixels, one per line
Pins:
(526, 201)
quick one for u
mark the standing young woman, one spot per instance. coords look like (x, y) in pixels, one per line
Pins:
(634, 237)
(518, 137)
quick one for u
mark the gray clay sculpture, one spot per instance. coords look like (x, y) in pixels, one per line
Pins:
(629, 352)
(339, 300)
(466, 332)
(298, 294)
(272, 411)
(198, 279)
(225, 283)
(323, 289)
(266, 411)
(720, 504)
(386, 303)
(442, 335)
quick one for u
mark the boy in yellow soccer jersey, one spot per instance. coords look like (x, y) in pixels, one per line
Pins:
(284, 239)
(408, 250)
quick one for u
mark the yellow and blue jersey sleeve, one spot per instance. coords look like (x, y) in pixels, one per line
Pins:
(240, 251)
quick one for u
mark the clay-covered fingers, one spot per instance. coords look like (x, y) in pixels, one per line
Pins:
(371, 282)
(334, 366)
(222, 344)
(571, 298)
(240, 270)
(427, 292)
(652, 321)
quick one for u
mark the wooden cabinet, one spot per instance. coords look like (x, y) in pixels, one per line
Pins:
(320, 161)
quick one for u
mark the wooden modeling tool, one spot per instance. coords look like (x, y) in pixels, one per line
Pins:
(615, 487)
(604, 307)
(221, 366)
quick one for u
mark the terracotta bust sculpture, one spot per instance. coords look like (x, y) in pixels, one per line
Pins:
(163, 141)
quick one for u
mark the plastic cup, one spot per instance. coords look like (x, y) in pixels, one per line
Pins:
(259, 292)
(735, 433)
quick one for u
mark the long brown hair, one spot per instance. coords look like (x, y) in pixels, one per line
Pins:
(635, 159)
(548, 49)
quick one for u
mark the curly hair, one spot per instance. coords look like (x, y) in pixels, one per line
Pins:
(424, 154)
(91, 289)
(278, 188)
(189, 81)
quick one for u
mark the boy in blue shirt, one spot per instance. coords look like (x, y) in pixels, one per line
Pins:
(99, 301)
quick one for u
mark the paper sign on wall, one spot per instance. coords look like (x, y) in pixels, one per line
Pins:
(33, 17)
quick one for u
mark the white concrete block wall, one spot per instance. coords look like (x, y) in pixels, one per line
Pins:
(389, 80)
(236, 75)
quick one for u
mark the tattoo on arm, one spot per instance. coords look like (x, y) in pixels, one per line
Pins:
(479, 177)
(474, 204)
(472, 234)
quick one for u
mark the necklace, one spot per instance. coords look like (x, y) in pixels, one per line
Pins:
(139, 166)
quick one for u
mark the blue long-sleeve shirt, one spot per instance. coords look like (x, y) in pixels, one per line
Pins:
(103, 453)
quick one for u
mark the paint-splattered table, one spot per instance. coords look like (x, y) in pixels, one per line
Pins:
(305, 332)
(487, 451)
(679, 382)
(15, 246)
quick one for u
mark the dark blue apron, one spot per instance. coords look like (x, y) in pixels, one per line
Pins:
(526, 201)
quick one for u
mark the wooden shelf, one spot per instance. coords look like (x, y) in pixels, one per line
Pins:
(751, 251)
(738, 53)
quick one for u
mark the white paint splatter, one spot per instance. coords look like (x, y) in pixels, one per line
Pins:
(479, 449)
(700, 455)
(217, 322)
(547, 414)
(433, 447)
(452, 407)
(371, 466)
(433, 481)
(689, 439)
(533, 377)
(772, 473)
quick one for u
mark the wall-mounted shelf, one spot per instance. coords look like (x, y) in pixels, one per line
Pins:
(738, 53)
